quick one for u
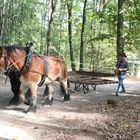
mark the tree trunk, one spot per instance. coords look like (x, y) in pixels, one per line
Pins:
(69, 6)
(5, 21)
(48, 37)
(1, 15)
(82, 37)
(120, 38)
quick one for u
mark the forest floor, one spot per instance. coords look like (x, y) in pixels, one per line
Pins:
(98, 115)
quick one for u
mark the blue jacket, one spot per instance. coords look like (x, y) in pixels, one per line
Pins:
(122, 64)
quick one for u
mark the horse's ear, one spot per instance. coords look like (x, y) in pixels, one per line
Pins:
(29, 44)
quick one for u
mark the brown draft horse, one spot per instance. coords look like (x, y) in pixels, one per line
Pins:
(12, 57)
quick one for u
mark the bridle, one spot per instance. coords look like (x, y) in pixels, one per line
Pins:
(8, 67)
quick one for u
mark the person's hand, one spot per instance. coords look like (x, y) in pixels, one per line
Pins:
(120, 69)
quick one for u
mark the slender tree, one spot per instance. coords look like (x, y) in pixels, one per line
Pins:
(120, 20)
(6, 21)
(1, 17)
(82, 36)
(69, 7)
(48, 36)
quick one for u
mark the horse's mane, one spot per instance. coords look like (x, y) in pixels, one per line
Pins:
(11, 48)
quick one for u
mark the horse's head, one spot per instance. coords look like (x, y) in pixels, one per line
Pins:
(12, 56)
(3, 58)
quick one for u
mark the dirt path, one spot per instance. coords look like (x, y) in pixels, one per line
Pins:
(86, 117)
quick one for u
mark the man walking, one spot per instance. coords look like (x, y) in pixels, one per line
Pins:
(122, 67)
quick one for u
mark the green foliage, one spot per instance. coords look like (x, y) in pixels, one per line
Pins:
(27, 21)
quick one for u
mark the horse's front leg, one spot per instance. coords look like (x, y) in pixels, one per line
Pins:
(15, 87)
(22, 90)
(33, 97)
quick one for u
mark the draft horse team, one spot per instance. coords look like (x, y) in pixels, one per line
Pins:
(27, 70)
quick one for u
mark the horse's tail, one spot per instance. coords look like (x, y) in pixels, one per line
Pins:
(64, 70)
(64, 77)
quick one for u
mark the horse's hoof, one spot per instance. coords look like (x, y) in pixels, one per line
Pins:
(14, 101)
(48, 102)
(67, 97)
(32, 109)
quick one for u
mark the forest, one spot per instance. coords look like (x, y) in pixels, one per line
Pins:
(87, 34)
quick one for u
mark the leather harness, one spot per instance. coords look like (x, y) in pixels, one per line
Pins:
(26, 66)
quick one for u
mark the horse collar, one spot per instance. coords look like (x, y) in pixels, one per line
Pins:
(27, 61)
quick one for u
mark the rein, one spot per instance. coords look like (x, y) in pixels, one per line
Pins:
(41, 74)
(7, 68)
(33, 71)
(14, 64)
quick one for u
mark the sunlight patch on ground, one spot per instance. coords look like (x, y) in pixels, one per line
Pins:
(132, 95)
(12, 133)
(127, 94)
(54, 117)
(32, 117)
(132, 82)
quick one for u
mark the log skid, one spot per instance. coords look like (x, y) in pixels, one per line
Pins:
(89, 80)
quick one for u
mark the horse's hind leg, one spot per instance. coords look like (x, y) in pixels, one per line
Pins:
(64, 87)
(46, 91)
(27, 97)
(49, 96)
